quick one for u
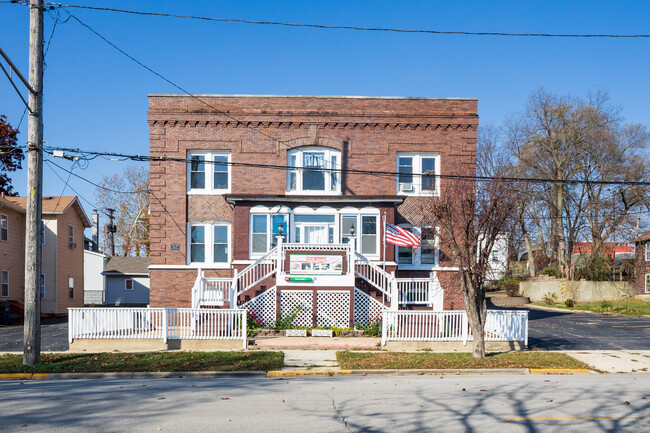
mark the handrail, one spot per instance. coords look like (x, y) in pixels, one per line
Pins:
(255, 273)
(373, 274)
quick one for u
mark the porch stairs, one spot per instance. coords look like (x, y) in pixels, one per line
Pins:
(391, 292)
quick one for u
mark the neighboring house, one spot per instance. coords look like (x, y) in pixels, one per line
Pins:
(94, 284)
(127, 281)
(498, 262)
(215, 221)
(642, 264)
(62, 260)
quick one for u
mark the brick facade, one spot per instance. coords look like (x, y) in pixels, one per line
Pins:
(368, 132)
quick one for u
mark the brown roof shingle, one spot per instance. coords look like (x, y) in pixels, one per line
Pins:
(127, 266)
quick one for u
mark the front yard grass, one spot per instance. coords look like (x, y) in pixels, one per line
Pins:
(145, 362)
(434, 361)
(622, 308)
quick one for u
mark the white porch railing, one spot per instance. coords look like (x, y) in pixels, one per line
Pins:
(374, 275)
(342, 248)
(211, 292)
(405, 325)
(156, 323)
(254, 274)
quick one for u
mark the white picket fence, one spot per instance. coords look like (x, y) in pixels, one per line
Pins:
(406, 325)
(157, 323)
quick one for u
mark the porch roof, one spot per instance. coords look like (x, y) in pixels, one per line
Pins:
(234, 198)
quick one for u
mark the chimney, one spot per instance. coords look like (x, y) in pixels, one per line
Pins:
(95, 229)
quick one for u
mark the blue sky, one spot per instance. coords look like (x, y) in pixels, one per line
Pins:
(96, 99)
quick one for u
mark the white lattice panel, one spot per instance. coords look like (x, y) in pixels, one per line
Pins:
(263, 306)
(333, 308)
(365, 307)
(292, 299)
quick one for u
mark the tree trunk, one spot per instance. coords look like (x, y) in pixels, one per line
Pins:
(476, 309)
(531, 258)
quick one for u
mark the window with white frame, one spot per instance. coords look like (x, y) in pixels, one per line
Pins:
(208, 172)
(128, 284)
(43, 279)
(310, 170)
(647, 283)
(647, 251)
(4, 283)
(71, 243)
(42, 232)
(264, 231)
(209, 243)
(71, 287)
(4, 228)
(417, 173)
(422, 257)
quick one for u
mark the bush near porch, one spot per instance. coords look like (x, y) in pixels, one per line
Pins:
(145, 362)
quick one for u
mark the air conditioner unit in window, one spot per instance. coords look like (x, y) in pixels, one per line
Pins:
(72, 245)
(406, 186)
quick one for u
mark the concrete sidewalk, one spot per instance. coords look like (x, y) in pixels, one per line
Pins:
(316, 343)
(614, 361)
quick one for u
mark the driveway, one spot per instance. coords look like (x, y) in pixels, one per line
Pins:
(54, 336)
(558, 330)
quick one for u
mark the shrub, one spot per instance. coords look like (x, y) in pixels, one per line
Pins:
(551, 271)
(373, 329)
(512, 289)
(569, 303)
(606, 305)
(286, 321)
(549, 298)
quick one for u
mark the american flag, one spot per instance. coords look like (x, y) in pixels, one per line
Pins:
(398, 236)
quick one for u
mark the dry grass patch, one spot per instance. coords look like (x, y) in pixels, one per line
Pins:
(433, 361)
(145, 362)
(622, 308)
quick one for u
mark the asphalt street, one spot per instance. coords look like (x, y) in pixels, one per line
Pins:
(503, 403)
(54, 337)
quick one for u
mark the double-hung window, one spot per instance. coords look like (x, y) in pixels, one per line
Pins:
(364, 229)
(417, 173)
(4, 283)
(423, 256)
(265, 230)
(71, 243)
(209, 243)
(208, 172)
(71, 287)
(647, 251)
(647, 283)
(43, 280)
(314, 170)
(4, 228)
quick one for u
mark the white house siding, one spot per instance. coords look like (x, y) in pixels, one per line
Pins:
(93, 278)
(49, 264)
(498, 263)
(116, 294)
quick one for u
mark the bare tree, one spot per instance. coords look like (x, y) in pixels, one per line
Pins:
(128, 194)
(469, 215)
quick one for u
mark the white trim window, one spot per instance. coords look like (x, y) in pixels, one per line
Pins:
(209, 243)
(208, 172)
(417, 173)
(264, 231)
(71, 243)
(309, 171)
(647, 251)
(71, 287)
(4, 283)
(4, 228)
(425, 256)
(647, 283)
(128, 284)
(43, 281)
(42, 232)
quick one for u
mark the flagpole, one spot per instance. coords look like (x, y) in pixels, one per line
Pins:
(384, 241)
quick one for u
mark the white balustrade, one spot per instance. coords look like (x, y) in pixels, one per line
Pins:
(373, 274)
(156, 323)
(406, 325)
(254, 274)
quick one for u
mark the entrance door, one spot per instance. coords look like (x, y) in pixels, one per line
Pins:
(316, 234)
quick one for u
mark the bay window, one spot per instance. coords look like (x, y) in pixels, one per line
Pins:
(209, 243)
(310, 170)
(208, 172)
(417, 173)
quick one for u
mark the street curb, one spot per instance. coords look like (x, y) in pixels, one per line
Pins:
(398, 372)
(131, 375)
(559, 371)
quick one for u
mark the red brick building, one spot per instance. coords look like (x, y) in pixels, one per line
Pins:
(642, 264)
(318, 172)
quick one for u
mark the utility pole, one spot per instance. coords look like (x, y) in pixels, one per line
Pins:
(32, 335)
(111, 229)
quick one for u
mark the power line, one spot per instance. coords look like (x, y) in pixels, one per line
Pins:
(356, 28)
(147, 158)
(49, 164)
